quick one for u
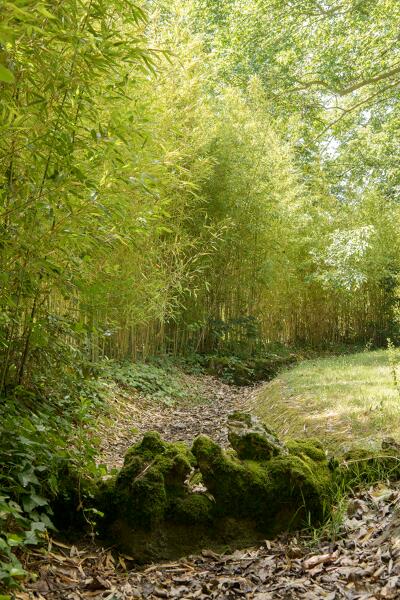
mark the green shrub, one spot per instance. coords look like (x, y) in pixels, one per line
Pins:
(163, 381)
(39, 439)
(245, 371)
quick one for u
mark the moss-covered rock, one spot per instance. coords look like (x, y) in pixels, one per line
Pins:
(251, 439)
(364, 465)
(153, 475)
(245, 371)
(260, 487)
(277, 493)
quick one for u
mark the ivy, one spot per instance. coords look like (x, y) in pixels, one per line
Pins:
(38, 443)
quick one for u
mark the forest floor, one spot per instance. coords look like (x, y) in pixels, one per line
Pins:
(357, 558)
(129, 416)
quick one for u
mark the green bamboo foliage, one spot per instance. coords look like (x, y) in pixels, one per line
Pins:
(149, 204)
(61, 169)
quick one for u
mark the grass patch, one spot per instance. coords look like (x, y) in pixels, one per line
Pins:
(341, 400)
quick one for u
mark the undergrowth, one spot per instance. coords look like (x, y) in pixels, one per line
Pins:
(41, 438)
(162, 379)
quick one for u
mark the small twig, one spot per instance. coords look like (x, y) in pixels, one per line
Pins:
(144, 470)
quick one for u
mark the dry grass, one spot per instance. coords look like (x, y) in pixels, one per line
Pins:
(341, 400)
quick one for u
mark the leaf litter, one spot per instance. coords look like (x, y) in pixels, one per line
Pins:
(363, 563)
(134, 414)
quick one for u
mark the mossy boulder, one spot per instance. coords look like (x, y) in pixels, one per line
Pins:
(260, 487)
(245, 371)
(366, 465)
(231, 369)
(153, 475)
(276, 493)
(251, 439)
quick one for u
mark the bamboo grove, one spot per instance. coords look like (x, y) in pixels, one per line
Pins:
(174, 178)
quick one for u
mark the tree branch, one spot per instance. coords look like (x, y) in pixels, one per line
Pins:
(395, 70)
(349, 110)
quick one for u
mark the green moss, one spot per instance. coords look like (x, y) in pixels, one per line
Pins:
(172, 460)
(225, 477)
(193, 509)
(310, 447)
(153, 475)
(301, 488)
(361, 465)
(241, 417)
(277, 493)
(150, 446)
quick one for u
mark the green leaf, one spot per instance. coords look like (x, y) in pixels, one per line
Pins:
(38, 526)
(39, 500)
(17, 572)
(28, 477)
(3, 544)
(45, 519)
(6, 75)
(43, 11)
(32, 501)
(14, 539)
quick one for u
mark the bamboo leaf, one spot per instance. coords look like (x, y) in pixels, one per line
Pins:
(6, 75)
(43, 11)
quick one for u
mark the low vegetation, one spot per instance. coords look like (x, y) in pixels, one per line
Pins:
(342, 400)
(41, 442)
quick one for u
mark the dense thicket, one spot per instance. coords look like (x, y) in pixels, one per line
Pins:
(185, 176)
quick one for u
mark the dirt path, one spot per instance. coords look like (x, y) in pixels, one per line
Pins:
(364, 562)
(131, 416)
